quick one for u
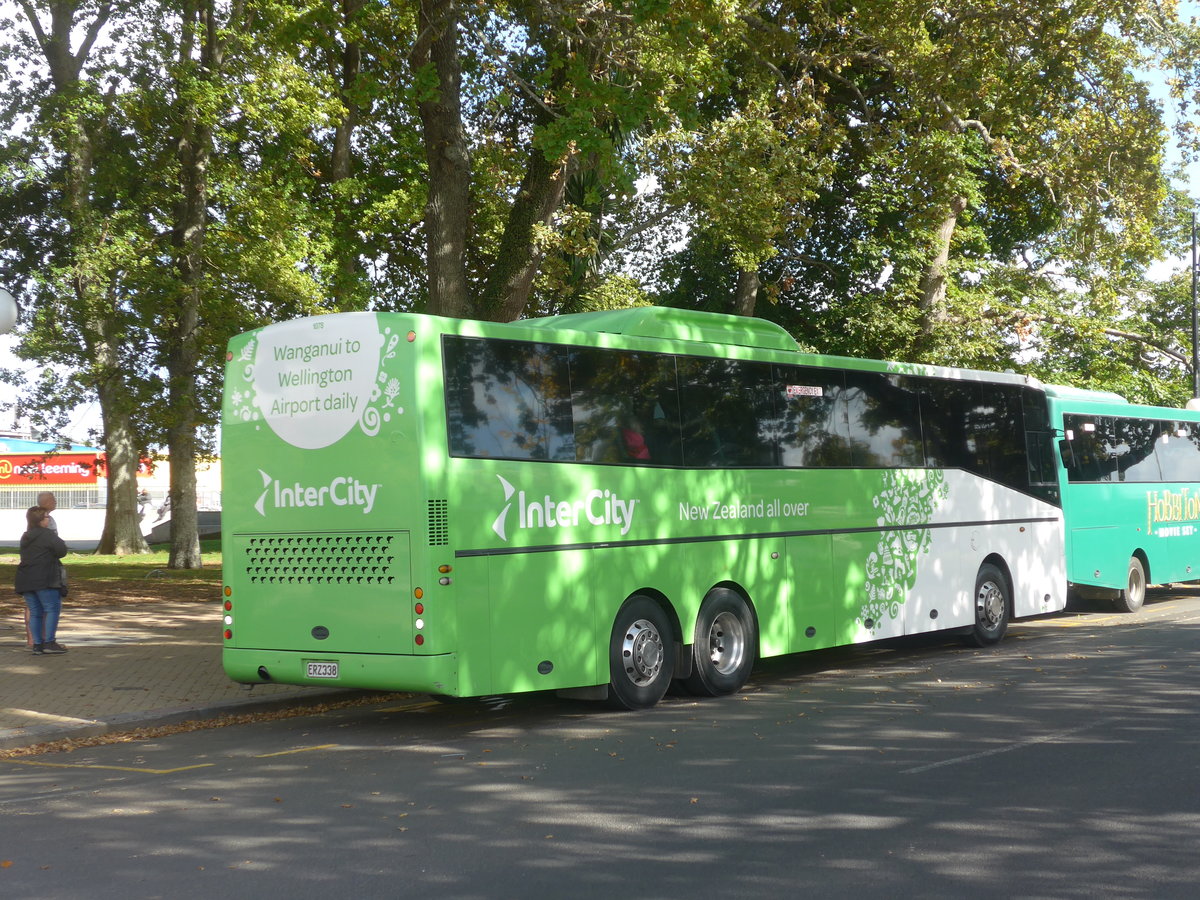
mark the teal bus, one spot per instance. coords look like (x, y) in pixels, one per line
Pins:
(605, 503)
(1130, 483)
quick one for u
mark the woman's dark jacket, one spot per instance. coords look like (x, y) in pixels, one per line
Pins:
(41, 549)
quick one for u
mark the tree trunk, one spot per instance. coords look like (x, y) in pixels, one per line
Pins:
(122, 534)
(193, 151)
(933, 279)
(746, 294)
(510, 278)
(122, 529)
(349, 269)
(447, 211)
(182, 352)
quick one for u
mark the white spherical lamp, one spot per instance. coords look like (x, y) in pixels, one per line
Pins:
(8, 312)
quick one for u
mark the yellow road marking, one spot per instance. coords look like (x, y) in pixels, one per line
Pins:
(29, 762)
(297, 750)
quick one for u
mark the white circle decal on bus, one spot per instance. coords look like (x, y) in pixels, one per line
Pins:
(314, 379)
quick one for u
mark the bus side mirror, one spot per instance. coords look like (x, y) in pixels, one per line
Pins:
(1066, 450)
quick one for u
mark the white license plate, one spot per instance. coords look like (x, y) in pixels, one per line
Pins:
(322, 670)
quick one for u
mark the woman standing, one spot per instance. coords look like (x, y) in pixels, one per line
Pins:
(39, 580)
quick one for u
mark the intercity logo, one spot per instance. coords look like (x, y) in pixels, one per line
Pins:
(339, 492)
(596, 506)
(6, 468)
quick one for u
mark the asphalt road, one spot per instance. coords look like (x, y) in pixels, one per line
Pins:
(1062, 763)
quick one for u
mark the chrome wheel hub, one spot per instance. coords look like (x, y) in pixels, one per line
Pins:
(989, 604)
(642, 652)
(726, 643)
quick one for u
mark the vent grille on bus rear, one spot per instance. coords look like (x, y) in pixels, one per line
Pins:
(439, 529)
(356, 558)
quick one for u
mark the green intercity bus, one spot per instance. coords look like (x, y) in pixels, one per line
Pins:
(603, 503)
(1130, 482)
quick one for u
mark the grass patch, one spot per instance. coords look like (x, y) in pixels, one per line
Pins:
(109, 580)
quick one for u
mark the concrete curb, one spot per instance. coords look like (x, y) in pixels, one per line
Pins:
(28, 736)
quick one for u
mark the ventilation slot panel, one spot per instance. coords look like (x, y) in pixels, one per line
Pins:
(323, 559)
(439, 526)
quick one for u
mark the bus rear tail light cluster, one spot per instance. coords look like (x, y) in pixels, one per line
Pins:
(228, 606)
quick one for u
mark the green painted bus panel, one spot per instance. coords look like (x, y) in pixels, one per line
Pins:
(324, 591)
(543, 621)
(1099, 556)
(1110, 521)
(373, 671)
(323, 527)
(1066, 394)
(691, 326)
(467, 600)
(808, 621)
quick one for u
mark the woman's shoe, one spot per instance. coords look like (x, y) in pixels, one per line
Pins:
(37, 650)
(54, 647)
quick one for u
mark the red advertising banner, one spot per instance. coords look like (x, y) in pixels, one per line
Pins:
(61, 468)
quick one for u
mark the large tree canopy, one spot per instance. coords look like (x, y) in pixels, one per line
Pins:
(974, 182)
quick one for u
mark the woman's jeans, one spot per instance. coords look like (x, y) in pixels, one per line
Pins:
(44, 608)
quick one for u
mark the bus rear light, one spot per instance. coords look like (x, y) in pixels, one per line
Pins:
(412, 336)
(419, 640)
(419, 624)
(419, 608)
(419, 593)
(445, 570)
(443, 581)
(229, 620)
(228, 634)
(228, 591)
(228, 605)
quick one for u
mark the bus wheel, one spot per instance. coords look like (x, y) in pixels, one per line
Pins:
(991, 607)
(723, 651)
(641, 655)
(1134, 595)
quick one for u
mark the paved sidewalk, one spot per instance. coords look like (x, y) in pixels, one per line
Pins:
(127, 667)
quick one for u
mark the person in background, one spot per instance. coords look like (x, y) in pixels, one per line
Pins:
(47, 502)
(38, 579)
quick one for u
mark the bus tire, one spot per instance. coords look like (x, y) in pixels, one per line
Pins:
(724, 647)
(641, 655)
(992, 604)
(1131, 599)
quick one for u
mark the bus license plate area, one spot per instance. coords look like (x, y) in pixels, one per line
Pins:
(321, 669)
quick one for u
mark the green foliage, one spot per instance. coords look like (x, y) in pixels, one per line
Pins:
(1034, 120)
(837, 149)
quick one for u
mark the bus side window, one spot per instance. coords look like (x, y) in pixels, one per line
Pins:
(1089, 460)
(884, 420)
(946, 426)
(1039, 438)
(1133, 443)
(1004, 435)
(809, 425)
(625, 407)
(727, 408)
(1178, 451)
(507, 399)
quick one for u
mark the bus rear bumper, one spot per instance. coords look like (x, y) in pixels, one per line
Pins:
(374, 671)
